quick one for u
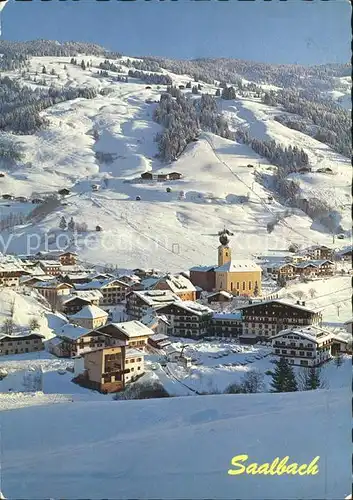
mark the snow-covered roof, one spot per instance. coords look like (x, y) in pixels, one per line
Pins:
(278, 301)
(90, 312)
(21, 335)
(51, 284)
(234, 315)
(50, 263)
(65, 299)
(157, 297)
(10, 264)
(133, 329)
(71, 331)
(221, 292)
(178, 283)
(194, 307)
(132, 352)
(158, 337)
(74, 268)
(148, 282)
(312, 333)
(88, 294)
(97, 284)
(238, 266)
(202, 268)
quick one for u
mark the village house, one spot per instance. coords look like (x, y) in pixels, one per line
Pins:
(95, 339)
(10, 272)
(134, 364)
(90, 317)
(113, 291)
(51, 267)
(284, 270)
(161, 177)
(134, 333)
(345, 254)
(139, 302)
(19, 344)
(72, 305)
(307, 346)
(109, 369)
(68, 259)
(156, 322)
(52, 290)
(178, 284)
(159, 341)
(203, 277)
(318, 252)
(262, 320)
(75, 278)
(66, 342)
(227, 325)
(187, 319)
(103, 369)
(64, 192)
(220, 297)
(76, 300)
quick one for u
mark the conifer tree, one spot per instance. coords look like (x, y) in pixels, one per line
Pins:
(71, 225)
(283, 378)
(63, 223)
(312, 379)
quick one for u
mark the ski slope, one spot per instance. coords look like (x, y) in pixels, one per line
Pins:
(160, 230)
(178, 447)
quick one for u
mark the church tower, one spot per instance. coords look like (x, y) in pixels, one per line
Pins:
(224, 251)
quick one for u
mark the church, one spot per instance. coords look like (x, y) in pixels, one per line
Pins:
(238, 277)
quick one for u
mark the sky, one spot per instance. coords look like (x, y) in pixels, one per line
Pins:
(293, 32)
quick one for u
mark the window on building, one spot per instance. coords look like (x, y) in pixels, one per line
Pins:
(249, 285)
(231, 285)
(243, 285)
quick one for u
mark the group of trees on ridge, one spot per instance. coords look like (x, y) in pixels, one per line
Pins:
(183, 118)
(20, 105)
(321, 118)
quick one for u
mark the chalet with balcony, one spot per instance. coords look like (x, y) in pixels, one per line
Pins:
(138, 303)
(73, 305)
(113, 291)
(68, 259)
(51, 267)
(11, 270)
(284, 270)
(20, 344)
(133, 333)
(227, 325)
(109, 369)
(318, 252)
(264, 319)
(52, 290)
(307, 346)
(188, 319)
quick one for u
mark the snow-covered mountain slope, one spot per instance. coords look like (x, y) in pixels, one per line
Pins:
(178, 447)
(26, 306)
(160, 230)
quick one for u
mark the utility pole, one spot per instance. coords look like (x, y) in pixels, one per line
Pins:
(338, 307)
